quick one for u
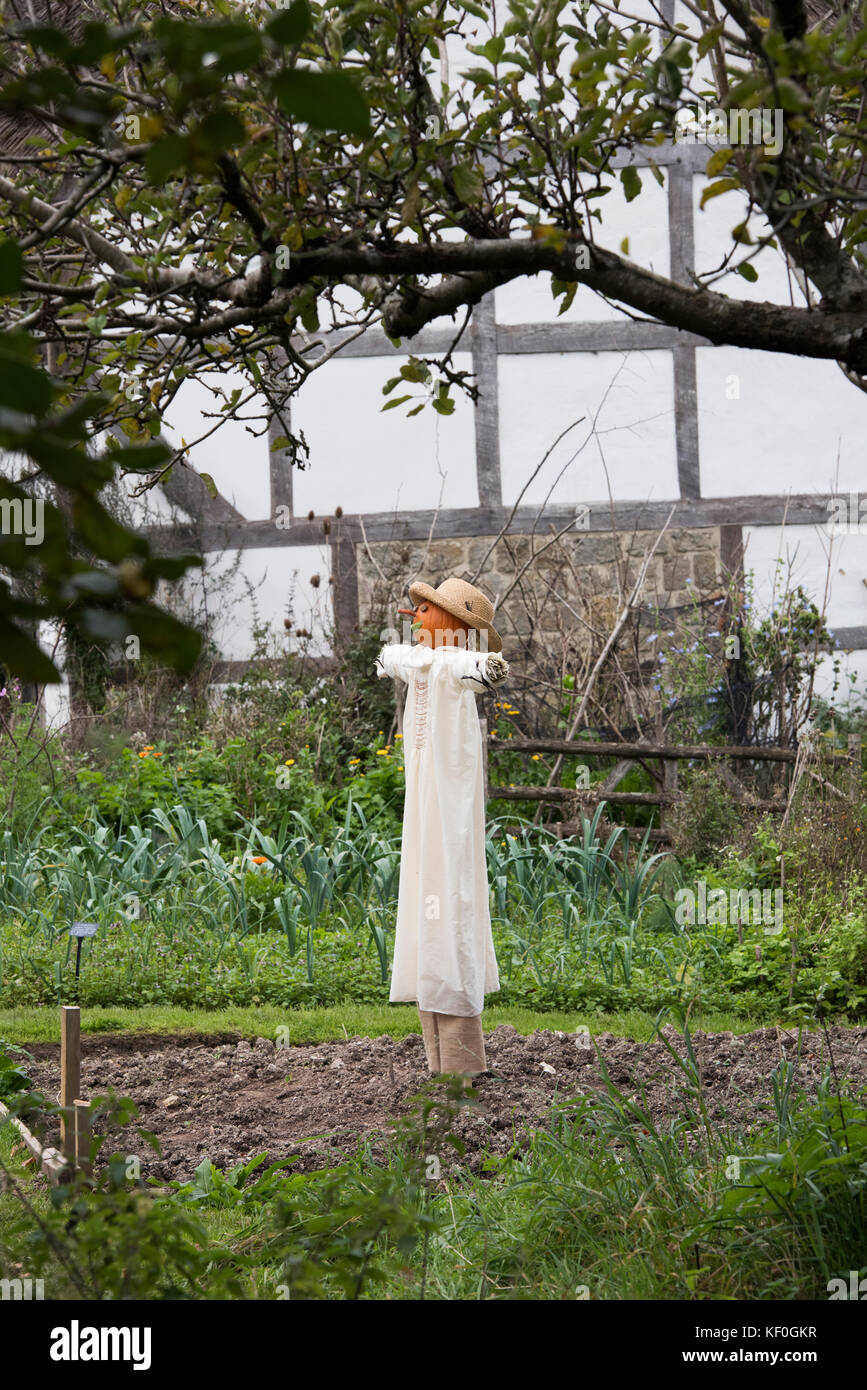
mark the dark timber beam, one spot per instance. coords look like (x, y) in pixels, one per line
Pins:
(487, 409)
(799, 510)
(681, 243)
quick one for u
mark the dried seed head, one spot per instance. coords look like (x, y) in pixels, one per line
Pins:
(310, 514)
(315, 580)
(338, 512)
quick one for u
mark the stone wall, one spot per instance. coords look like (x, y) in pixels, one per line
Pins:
(575, 577)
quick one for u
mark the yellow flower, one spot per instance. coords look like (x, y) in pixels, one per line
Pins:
(535, 758)
(400, 767)
(381, 752)
(397, 736)
(502, 842)
(290, 762)
(142, 755)
(149, 747)
(353, 762)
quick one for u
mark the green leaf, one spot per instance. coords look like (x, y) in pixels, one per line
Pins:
(748, 271)
(101, 533)
(713, 190)
(631, 180)
(165, 156)
(22, 386)
(11, 266)
(291, 25)
(325, 100)
(210, 485)
(398, 400)
(494, 49)
(145, 458)
(718, 161)
(708, 39)
(467, 182)
(164, 635)
(23, 657)
(220, 131)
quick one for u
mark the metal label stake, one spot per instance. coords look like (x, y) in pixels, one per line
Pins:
(81, 930)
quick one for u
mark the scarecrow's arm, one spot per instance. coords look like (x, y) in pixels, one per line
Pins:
(398, 660)
(478, 672)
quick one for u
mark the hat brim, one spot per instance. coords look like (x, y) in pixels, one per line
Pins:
(417, 592)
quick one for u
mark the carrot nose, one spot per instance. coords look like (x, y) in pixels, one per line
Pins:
(409, 611)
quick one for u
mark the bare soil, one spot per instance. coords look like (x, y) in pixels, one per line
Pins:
(231, 1100)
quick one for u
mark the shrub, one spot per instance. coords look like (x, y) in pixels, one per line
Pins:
(706, 818)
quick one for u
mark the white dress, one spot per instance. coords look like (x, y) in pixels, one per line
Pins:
(444, 952)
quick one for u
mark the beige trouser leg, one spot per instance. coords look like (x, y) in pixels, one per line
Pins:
(430, 1034)
(462, 1045)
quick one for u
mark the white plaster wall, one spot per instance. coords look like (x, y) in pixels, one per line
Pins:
(775, 424)
(630, 398)
(236, 459)
(713, 225)
(644, 222)
(814, 560)
(366, 460)
(820, 564)
(278, 577)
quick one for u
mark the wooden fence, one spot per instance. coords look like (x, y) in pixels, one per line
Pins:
(668, 756)
(59, 1164)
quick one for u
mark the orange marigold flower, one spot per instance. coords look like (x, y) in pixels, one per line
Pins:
(260, 859)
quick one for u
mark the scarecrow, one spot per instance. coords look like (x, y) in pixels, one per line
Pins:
(444, 953)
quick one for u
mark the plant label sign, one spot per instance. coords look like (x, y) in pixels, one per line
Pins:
(83, 929)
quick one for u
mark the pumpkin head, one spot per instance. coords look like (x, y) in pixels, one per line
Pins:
(429, 619)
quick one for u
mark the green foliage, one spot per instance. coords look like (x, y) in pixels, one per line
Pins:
(13, 1075)
(150, 778)
(706, 819)
(345, 1232)
(106, 596)
(811, 1188)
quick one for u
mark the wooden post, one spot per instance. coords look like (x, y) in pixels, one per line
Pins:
(669, 786)
(82, 1135)
(70, 1075)
(854, 746)
(484, 727)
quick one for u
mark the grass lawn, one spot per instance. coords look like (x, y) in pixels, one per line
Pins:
(327, 1024)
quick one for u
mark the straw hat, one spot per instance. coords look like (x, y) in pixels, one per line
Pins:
(463, 601)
